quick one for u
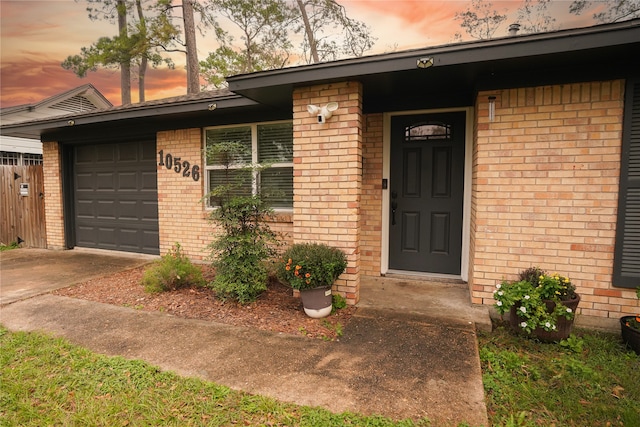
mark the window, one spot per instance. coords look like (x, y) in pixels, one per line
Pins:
(427, 132)
(31, 159)
(626, 266)
(8, 158)
(19, 159)
(266, 144)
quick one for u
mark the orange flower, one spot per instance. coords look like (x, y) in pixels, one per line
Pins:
(638, 318)
(307, 275)
(288, 267)
(296, 273)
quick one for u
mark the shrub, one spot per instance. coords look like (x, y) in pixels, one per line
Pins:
(173, 271)
(245, 242)
(311, 265)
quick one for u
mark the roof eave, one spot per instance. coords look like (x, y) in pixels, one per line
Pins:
(589, 38)
(36, 128)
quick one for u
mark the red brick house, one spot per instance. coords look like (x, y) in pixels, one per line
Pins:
(470, 161)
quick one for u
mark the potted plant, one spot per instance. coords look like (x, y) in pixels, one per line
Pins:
(539, 303)
(631, 329)
(312, 268)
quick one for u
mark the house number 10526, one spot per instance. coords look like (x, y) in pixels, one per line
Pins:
(179, 166)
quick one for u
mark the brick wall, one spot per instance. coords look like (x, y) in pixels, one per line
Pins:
(53, 207)
(371, 229)
(181, 211)
(327, 177)
(545, 190)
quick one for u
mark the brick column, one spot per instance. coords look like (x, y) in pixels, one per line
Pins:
(327, 175)
(53, 203)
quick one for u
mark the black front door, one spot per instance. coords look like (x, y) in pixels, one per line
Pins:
(426, 192)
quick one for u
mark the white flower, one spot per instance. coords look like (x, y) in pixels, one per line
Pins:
(499, 303)
(569, 310)
(498, 286)
(554, 327)
(523, 324)
(500, 293)
(527, 297)
(548, 325)
(523, 309)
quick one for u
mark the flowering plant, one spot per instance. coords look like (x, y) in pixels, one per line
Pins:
(311, 265)
(537, 297)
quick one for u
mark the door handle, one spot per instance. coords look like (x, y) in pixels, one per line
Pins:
(394, 207)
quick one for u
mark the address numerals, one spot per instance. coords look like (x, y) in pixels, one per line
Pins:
(178, 165)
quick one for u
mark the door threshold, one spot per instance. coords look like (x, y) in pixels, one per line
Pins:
(417, 275)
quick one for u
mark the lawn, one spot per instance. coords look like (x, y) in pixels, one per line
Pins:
(591, 380)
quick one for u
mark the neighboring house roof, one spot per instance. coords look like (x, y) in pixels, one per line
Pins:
(78, 100)
(391, 81)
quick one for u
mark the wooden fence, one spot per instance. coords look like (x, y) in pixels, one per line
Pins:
(22, 206)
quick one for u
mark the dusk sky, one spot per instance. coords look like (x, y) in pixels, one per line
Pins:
(37, 35)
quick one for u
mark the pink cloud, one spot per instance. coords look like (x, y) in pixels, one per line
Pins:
(31, 81)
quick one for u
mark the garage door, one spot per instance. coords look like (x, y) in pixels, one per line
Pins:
(116, 197)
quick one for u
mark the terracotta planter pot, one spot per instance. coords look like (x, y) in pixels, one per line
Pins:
(630, 336)
(317, 302)
(563, 326)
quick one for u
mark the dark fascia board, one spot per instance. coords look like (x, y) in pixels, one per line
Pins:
(535, 45)
(34, 129)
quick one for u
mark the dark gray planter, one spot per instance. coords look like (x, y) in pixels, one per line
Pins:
(630, 336)
(317, 302)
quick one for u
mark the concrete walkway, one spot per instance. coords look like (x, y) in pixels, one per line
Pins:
(389, 362)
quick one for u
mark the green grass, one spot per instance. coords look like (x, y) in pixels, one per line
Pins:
(591, 380)
(47, 381)
(12, 245)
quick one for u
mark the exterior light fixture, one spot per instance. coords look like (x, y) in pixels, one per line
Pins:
(322, 113)
(71, 122)
(212, 107)
(426, 62)
(492, 108)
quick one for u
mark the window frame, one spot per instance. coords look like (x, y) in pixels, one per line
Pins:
(254, 158)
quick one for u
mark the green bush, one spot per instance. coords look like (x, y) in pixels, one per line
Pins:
(173, 271)
(311, 265)
(243, 243)
(241, 252)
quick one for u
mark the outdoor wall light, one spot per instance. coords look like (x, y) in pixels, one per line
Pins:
(71, 122)
(425, 62)
(322, 113)
(492, 108)
(212, 107)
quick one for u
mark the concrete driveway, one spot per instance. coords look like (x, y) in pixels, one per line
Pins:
(27, 272)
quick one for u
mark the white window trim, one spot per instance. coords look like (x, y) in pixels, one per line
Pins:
(254, 158)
